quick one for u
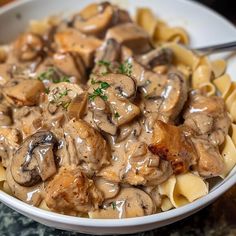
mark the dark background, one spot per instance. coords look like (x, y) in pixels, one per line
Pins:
(218, 219)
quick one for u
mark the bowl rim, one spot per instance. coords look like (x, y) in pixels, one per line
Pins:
(23, 207)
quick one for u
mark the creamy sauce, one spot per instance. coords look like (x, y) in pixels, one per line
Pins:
(93, 119)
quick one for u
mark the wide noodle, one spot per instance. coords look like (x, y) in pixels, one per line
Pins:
(103, 116)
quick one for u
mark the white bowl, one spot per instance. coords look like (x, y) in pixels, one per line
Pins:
(205, 27)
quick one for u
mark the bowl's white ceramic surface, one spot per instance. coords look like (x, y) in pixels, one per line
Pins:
(204, 26)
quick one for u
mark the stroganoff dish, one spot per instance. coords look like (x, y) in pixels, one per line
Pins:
(105, 116)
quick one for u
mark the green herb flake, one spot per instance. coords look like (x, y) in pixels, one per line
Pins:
(99, 92)
(116, 115)
(113, 204)
(51, 75)
(57, 99)
(104, 63)
(125, 68)
(47, 90)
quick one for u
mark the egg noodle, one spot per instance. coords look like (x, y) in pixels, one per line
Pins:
(182, 184)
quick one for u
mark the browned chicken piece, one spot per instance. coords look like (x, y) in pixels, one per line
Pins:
(210, 161)
(144, 168)
(28, 46)
(71, 40)
(86, 146)
(207, 116)
(132, 36)
(70, 64)
(164, 94)
(23, 92)
(170, 143)
(71, 192)
(28, 119)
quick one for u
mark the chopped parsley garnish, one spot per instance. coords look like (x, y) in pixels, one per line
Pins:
(113, 204)
(58, 99)
(93, 81)
(125, 68)
(104, 63)
(52, 75)
(47, 90)
(116, 115)
(99, 92)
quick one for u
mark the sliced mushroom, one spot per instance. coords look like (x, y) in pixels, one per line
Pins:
(174, 96)
(31, 195)
(119, 89)
(130, 202)
(77, 106)
(120, 16)
(101, 116)
(5, 115)
(122, 84)
(110, 51)
(34, 160)
(71, 40)
(23, 92)
(70, 64)
(94, 19)
(158, 56)
(109, 189)
(28, 46)
(171, 144)
(130, 130)
(71, 192)
(87, 146)
(132, 36)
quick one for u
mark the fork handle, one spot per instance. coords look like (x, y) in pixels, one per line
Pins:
(224, 47)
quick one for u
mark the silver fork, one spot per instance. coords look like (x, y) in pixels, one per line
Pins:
(224, 47)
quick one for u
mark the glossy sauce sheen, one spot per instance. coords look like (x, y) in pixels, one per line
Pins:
(93, 119)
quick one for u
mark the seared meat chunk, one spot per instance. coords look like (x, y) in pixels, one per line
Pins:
(71, 192)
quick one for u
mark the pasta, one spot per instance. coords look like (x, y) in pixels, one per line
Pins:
(184, 56)
(106, 117)
(183, 189)
(218, 67)
(164, 33)
(146, 19)
(228, 154)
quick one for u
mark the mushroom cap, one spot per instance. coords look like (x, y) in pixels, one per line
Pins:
(109, 189)
(94, 19)
(174, 96)
(110, 51)
(130, 202)
(34, 160)
(28, 46)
